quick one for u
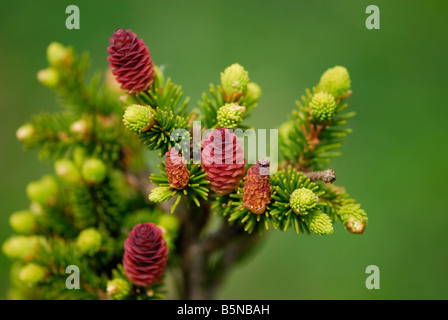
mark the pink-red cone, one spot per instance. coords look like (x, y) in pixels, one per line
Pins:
(223, 161)
(145, 255)
(257, 187)
(130, 61)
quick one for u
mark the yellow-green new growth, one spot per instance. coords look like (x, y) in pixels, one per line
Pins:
(32, 274)
(320, 223)
(230, 115)
(49, 77)
(89, 241)
(56, 54)
(67, 171)
(303, 200)
(20, 247)
(335, 81)
(138, 118)
(23, 222)
(94, 171)
(253, 91)
(43, 191)
(160, 194)
(323, 106)
(234, 78)
(118, 288)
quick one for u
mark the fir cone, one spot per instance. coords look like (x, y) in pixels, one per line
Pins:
(176, 170)
(145, 255)
(257, 187)
(223, 161)
(130, 61)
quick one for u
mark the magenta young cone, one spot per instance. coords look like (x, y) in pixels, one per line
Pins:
(145, 255)
(130, 61)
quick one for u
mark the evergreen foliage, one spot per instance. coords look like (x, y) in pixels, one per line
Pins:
(83, 213)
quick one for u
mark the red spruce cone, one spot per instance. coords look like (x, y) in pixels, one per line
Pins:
(223, 161)
(176, 170)
(145, 255)
(130, 61)
(257, 187)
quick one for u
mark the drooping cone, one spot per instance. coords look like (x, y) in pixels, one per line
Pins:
(176, 170)
(130, 61)
(257, 187)
(145, 255)
(223, 161)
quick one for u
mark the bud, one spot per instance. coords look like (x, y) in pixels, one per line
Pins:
(118, 288)
(66, 170)
(323, 106)
(234, 80)
(354, 225)
(48, 77)
(230, 115)
(19, 247)
(25, 133)
(94, 171)
(79, 127)
(335, 81)
(320, 223)
(79, 156)
(56, 54)
(253, 91)
(169, 222)
(89, 241)
(138, 118)
(43, 191)
(23, 222)
(31, 274)
(303, 200)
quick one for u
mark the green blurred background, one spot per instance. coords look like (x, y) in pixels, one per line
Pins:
(394, 163)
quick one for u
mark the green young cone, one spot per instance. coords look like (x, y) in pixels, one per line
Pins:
(234, 79)
(230, 115)
(320, 223)
(303, 200)
(31, 274)
(138, 118)
(23, 222)
(94, 171)
(323, 106)
(43, 191)
(335, 81)
(89, 241)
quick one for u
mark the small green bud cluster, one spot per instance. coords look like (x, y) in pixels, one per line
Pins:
(323, 106)
(89, 241)
(335, 81)
(138, 118)
(303, 200)
(234, 79)
(43, 191)
(230, 115)
(31, 274)
(320, 223)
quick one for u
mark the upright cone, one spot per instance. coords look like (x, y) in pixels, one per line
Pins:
(145, 255)
(257, 187)
(176, 170)
(130, 61)
(223, 161)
